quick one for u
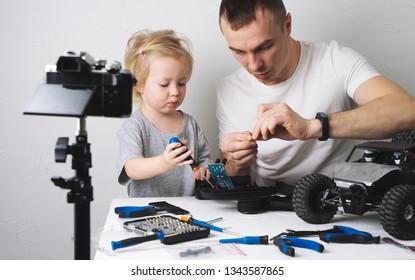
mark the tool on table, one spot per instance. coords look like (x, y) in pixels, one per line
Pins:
(339, 234)
(136, 240)
(151, 209)
(247, 240)
(400, 245)
(194, 165)
(215, 220)
(195, 252)
(170, 208)
(193, 221)
(135, 211)
(285, 244)
(167, 229)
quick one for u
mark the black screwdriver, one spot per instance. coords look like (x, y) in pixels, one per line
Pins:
(194, 165)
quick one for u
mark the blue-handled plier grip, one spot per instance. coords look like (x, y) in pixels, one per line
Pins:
(286, 244)
(136, 240)
(339, 234)
(135, 211)
(343, 234)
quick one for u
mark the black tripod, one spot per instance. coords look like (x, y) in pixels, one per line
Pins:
(81, 193)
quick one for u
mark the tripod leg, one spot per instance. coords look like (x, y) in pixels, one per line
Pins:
(82, 230)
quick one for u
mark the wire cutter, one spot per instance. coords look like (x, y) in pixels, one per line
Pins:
(286, 244)
(339, 234)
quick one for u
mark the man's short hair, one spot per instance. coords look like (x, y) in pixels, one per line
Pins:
(241, 13)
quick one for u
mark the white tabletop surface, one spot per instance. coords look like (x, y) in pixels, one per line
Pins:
(269, 223)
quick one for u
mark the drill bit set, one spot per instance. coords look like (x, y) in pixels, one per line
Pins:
(168, 229)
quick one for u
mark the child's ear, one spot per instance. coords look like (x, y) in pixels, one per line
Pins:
(139, 88)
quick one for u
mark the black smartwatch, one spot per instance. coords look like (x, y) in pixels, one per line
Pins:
(324, 126)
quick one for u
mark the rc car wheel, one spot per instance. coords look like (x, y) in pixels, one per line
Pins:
(308, 202)
(397, 212)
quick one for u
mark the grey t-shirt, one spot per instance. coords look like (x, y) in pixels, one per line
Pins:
(139, 138)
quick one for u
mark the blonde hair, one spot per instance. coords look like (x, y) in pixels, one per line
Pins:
(162, 43)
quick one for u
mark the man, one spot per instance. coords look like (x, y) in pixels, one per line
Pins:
(297, 107)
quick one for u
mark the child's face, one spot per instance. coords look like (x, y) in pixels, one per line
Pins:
(165, 87)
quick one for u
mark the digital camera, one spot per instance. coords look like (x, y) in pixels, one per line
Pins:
(80, 86)
(112, 85)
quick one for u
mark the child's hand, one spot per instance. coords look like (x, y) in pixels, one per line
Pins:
(175, 155)
(204, 171)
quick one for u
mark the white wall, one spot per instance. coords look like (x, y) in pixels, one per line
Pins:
(36, 222)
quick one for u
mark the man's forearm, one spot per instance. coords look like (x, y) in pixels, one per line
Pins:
(385, 108)
(378, 119)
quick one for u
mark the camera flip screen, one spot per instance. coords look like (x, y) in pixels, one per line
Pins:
(58, 100)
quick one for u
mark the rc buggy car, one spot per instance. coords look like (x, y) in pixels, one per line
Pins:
(380, 178)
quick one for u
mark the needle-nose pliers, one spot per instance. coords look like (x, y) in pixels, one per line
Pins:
(286, 244)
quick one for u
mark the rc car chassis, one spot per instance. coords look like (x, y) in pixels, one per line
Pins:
(381, 179)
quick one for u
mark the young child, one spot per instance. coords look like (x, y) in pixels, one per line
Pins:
(162, 64)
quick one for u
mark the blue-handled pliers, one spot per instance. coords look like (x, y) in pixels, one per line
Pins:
(286, 244)
(136, 240)
(343, 234)
(339, 234)
(135, 211)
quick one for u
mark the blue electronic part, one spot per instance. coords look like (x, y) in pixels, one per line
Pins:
(219, 176)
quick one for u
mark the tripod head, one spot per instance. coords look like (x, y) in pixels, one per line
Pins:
(80, 184)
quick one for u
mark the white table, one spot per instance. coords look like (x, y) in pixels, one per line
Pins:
(269, 223)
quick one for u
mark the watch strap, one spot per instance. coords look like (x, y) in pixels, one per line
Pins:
(324, 126)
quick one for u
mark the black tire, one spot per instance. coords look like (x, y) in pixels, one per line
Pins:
(404, 137)
(307, 199)
(397, 212)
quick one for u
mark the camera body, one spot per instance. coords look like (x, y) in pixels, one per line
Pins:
(111, 85)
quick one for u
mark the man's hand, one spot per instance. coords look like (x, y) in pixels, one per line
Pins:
(278, 120)
(240, 150)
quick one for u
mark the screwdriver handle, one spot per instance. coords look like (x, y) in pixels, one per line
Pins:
(247, 240)
(200, 223)
(194, 165)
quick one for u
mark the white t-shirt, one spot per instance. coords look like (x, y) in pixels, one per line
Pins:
(325, 81)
